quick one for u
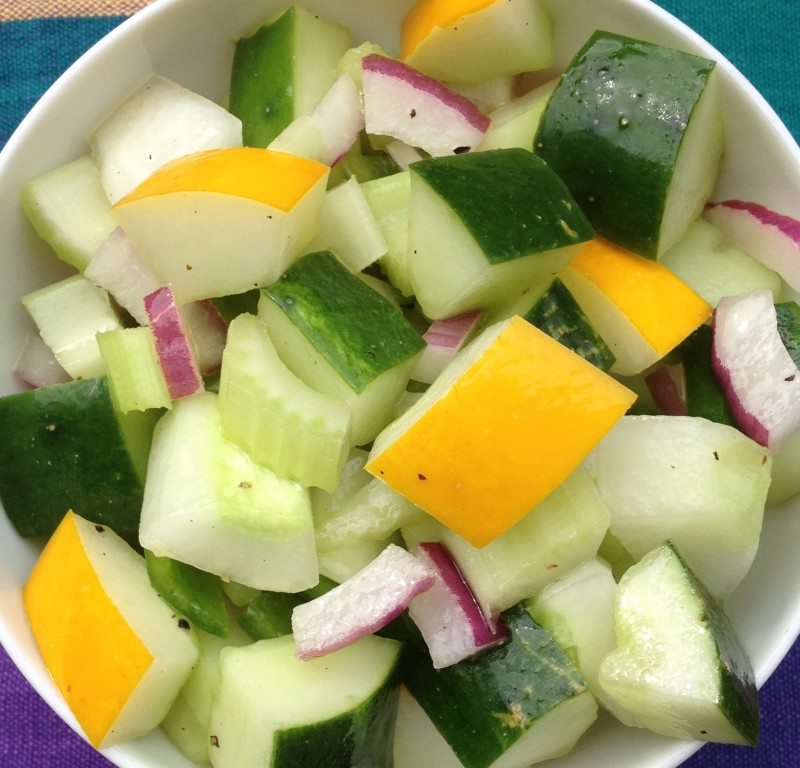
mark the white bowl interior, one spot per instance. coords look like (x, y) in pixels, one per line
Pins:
(191, 41)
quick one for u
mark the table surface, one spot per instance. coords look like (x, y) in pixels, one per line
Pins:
(38, 40)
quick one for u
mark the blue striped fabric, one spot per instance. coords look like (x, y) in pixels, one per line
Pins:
(759, 38)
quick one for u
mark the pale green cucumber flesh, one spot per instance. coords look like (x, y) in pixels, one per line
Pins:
(300, 434)
(485, 225)
(134, 373)
(69, 314)
(484, 705)
(207, 503)
(354, 328)
(511, 203)
(561, 532)
(194, 594)
(714, 267)
(389, 199)
(614, 129)
(69, 210)
(560, 316)
(679, 667)
(276, 711)
(186, 723)
(66, 447)
(688, 480)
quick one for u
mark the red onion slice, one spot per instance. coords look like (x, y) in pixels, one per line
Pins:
(405, 104)
(173, 345)
(36, 364)
(362, 604)
(444, 338)
(667, 386)
(448, 615)
(767, 236)
(759, 377)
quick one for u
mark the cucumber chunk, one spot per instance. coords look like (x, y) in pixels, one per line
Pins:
(341, 337)
(578, 611)
(206, 503)
(275, 711)
(282, 70)
(704, 396)
(69, 210)
(483, 224)
(300, 434)
(133, 370)
(389, 198)
(688, 480)
(635, 131)
(560, 533)
(193, 593)
(679, 668)
(69, 314)
(714, 267)
(186, 723)
(560, 316)
(509, 707)
(67, 447)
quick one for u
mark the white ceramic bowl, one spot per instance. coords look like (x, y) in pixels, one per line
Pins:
(191, 41)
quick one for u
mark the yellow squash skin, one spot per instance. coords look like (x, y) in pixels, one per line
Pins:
(94, 656)
(266, 176)
(509, 428)
(663, 308)
(427, 15)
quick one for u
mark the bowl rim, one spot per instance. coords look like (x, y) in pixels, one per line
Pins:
(160, 9)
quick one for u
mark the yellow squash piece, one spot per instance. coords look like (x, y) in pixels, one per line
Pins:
(221, 222)
(470, 41)
(115, 650)
(641, 309)
(503, 426)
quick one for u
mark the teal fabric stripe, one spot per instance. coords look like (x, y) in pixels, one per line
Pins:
(760, 39)
(33, 53)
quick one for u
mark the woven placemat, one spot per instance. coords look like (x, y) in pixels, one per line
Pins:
(38, 40)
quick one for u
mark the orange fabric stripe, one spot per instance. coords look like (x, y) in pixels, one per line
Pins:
(17, 10)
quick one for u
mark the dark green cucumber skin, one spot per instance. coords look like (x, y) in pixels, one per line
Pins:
(361, 167)
(560, 316)
(509, 200)
(262, 82)
(353, 327)
(704, 396)
(269, 614)
(788, 313)
(482, 705)
(612, 130)
(194, 594)
(738, 694)
(363, 741)
(63, 448)
(231, 306)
